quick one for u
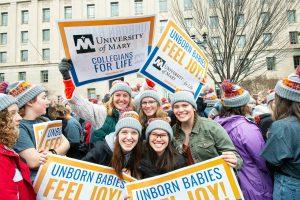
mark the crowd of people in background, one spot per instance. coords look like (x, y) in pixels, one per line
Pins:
(138, 132)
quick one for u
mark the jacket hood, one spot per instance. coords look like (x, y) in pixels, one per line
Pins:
(110, 140)
(229, 123)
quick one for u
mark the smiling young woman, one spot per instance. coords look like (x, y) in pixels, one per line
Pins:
(160, 155)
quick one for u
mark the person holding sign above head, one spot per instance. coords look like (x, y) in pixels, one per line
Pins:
(198, 138)
(121, 149)
(150, 107)
(160, 155)
(15, 180)
(254, 177)
(33, 102)
(103, 117)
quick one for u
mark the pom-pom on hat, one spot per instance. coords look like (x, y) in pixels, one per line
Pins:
(234, 95)
(159, 124)
(6, 101)
(119, 85)
(23, 91)
(129, 119)
(184, 96)
(209, 96)
(289, 88)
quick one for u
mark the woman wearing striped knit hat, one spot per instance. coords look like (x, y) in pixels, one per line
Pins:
(283, 144)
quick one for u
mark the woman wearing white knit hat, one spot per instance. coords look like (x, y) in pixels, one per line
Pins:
(282, 149)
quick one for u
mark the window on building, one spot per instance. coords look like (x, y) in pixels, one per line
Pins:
(213, 21)
(46, 35)
(24, 55)
(265, 17)
(163, 24)
(188, 23)
(138, 7)
(241, 41)
(22, 76)
(90, 11)
(2, 77)
(46, 14)
(212, 3)
(4, 18)
(3, 38)
(25, 16)
(291, 16)
(24, 37)
(241, 20)
(216, 41)
(264, 1)
(44, 76)
(238, 2)
(267, 39)
(163, 5)
(188, 4)
(114, 9)
(46, 54)
(68, 12)
(3, 57)
(294, 37)
(270, 63)
(296, 61)
(91, 93)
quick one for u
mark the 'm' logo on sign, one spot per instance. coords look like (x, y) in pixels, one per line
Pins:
(159, 63)
(84, 43)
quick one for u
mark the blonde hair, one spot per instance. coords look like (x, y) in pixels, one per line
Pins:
(8, 133)
(110, 105)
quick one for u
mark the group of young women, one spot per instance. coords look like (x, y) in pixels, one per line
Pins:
(144, 144)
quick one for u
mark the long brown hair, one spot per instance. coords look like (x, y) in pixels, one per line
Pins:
(167, 161)
(8, 132)
(118, 159)
(285, 108)
(228, 111)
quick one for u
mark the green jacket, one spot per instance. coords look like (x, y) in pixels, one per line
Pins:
(108, 126)
(207, 140)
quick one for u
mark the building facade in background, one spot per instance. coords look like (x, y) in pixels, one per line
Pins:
(31, 48)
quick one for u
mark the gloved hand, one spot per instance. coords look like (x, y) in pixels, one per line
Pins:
(64, 68)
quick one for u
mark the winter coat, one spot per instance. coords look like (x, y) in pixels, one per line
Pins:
(102, 152)
(107, 127)
(254, 177)
(148, 168)
(207, 140)
(14, 177)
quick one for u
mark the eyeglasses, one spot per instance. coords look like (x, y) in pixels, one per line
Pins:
(150, 103)
(155, 135)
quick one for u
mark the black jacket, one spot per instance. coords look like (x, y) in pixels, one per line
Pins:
(101, 154)
(148, 168)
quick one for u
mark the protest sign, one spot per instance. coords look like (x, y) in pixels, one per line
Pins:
(48, 135)
(67, 178)
(211, 179)
(176, 62)
(106, 49)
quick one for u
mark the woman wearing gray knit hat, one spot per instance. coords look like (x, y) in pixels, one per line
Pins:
(150, 107)
(198, 138)
(105, 116)
(33, 101)
(282, 150)
(121, 149)
(15, 180)
(160, 156)
(248, 140)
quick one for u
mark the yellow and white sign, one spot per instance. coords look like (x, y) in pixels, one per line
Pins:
(67, 178)
(48, 135)
(213, 179)
(106, 49)
(176, 62)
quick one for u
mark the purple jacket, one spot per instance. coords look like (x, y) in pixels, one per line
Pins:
(254, 177)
